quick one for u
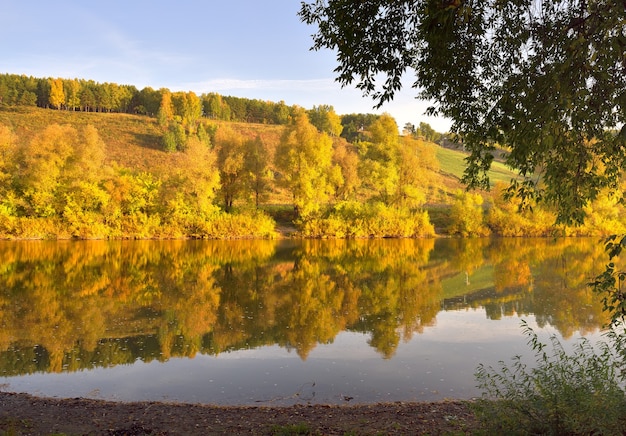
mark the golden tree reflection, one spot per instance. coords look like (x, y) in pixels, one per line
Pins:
(72, 305)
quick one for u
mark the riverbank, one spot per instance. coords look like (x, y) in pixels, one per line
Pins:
(25, 414)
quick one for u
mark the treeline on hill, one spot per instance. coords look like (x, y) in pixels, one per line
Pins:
(89, 96)
(198, 174)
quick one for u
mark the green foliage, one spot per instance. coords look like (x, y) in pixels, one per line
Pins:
(610, 284)
(426, 132)
(174, 137)
(169, 141)
(564, 394)
(355, 126)
(325, 119)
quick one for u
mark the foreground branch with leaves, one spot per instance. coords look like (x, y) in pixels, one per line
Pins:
(545, 79)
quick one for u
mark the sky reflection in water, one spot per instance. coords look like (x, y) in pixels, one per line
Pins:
(435, 365)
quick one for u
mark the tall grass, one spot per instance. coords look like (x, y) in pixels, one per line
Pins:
(578, 393)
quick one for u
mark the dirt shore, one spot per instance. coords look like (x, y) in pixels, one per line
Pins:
(22, 414)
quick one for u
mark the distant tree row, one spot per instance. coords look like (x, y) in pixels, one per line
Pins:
(90, 96)
(424, 131)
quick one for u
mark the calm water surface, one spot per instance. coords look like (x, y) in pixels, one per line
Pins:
(283, 322)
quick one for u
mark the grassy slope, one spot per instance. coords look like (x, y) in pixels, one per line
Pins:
(452, 163)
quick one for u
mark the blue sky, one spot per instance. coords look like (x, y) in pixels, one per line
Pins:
(245, 48)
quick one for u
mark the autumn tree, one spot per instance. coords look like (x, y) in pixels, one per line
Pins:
(174, 134)
(166, 109)
(57, 93)
(256, 162)
(8, 148)
(72, 91)
(188, 107)
(7, 154)
(194, 183)
(325, 119)
(231, 163)
(44, 160)
(215, 107)
(417, 171)
(147, 101)
(303, 158)
(379, 159)
(59, 165)
(467, 215)
(545, 79)
(87, 99)
(345, 173)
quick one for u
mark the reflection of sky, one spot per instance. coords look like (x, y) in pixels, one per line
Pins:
(437, 364)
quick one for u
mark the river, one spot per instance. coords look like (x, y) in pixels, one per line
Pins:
(284, 322)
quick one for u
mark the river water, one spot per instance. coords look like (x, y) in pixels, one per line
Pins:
(284, 322)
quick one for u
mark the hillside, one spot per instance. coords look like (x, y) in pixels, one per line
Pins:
(452, 164)
(131, 140)
(248, 183)
(114, 179)
(135, 140)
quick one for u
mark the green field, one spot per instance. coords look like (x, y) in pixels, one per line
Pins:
(452, 162)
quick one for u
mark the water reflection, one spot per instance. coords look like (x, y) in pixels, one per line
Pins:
(69, 306)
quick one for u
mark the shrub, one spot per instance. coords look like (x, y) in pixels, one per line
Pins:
(39, 228)
(467, 215)
(248, 224)
(357, 220)
(513, 223)
(140, 225)
(564, 394)
(331, 227)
